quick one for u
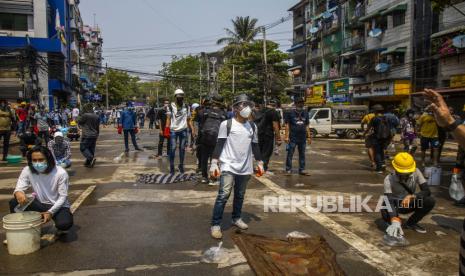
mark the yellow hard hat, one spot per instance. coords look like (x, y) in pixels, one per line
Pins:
(23, 103)
(73, 123)
(404, 163)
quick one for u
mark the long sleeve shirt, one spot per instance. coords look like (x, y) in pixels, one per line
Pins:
(51, 188)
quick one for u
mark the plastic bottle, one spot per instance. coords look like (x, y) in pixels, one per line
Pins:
(30, 199)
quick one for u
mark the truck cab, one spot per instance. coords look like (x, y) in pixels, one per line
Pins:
(320, 121)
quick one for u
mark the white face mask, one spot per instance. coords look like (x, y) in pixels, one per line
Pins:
(245, 112)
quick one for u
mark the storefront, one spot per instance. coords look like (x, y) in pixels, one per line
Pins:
(315, 96)
(387, 93)
(338, 91)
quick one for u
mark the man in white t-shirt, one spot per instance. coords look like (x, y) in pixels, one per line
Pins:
(177, 119)
(237, 141)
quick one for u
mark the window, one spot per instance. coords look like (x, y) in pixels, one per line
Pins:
(398, 18)
(322, 114)
(13, 22)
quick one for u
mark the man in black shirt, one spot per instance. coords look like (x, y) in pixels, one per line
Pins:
(267, 121)
(161, 117)
(90, 125)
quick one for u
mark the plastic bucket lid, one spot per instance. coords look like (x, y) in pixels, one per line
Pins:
(22, 220)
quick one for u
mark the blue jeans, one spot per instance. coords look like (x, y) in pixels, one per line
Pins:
(227, 182)
(180, 136)
(290, 153)
(22, 127)
(126, 133)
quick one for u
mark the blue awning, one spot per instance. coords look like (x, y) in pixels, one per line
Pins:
(296, 46)
(48, 45)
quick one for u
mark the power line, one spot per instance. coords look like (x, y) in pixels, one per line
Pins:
(166, 18)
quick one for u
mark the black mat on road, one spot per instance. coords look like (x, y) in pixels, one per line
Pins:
(165, 178)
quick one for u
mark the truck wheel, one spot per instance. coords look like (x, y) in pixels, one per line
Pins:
(341, 135)
(313, 133)
(351, 134)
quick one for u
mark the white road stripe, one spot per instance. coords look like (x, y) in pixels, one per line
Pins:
(375, 256)
(81, 198)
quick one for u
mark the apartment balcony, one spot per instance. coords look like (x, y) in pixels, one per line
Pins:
(316, 53)
(349, 70)
(353, 42)
(331, 73)
(373, 43)
(330, 27)
(299, 21)
(319, 76)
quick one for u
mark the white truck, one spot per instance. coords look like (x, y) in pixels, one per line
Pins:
(343, 120)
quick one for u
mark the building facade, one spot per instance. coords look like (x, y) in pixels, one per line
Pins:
(374, 51)
(40, 47)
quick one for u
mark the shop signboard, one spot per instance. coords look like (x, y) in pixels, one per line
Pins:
(402, 87)
(315, 95)
(337, 87)
(376, 89)
(457, 81)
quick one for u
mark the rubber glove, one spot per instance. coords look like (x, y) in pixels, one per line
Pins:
(395, 229)
(259, 169)
(214, 169)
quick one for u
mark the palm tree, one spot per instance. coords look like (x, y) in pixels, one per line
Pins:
(244, 31)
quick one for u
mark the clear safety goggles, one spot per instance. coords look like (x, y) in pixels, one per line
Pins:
(242, 105)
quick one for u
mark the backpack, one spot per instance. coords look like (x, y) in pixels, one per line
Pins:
(229, 125)
(260, 120)
(211, 127)
(383, 131)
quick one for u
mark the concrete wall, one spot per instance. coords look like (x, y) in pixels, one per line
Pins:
(41, 30)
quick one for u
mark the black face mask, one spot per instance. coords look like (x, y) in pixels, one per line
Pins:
(179, 100)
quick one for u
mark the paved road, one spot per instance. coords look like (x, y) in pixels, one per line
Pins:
(123, 228)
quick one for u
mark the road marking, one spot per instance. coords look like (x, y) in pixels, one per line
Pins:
(375, 256)
(81, 198)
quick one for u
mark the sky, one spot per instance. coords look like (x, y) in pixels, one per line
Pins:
(142, 34)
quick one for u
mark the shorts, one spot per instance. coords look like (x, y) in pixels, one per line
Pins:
(427, 143)
(370, 141)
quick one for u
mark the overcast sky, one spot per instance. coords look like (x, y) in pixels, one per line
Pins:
(150, 31)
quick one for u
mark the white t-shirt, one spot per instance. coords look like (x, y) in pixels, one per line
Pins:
(75, 112)
(179, 117)
(51, 188)
(236, 156)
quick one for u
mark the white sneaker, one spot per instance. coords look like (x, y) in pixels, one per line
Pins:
(240, 224)
(213, 183)
(5, 242)
(216, 232)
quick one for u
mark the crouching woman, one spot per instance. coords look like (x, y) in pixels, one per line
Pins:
(50, 186)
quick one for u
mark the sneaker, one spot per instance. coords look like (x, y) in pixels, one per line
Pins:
(379, 171)
(304, 173)
(213, 183)
(269, 173)
(139, 149)
(416, 227)
(216, 232)
(204, 181)
(289, 172)
(5, 242)
(92, 163)
(240, 224)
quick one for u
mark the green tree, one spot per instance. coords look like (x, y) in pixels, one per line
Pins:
(183, 72)
(121, 86)
(250, 74)
(440, 5)
(243, 32)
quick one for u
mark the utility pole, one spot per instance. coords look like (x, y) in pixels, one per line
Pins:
(233, 80)
(158, 102)
(265, 66)
(200, 80)
(106, 82)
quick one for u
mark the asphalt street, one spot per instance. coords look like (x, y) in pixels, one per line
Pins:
(125, 228)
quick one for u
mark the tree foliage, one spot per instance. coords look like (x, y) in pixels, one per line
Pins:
(243, 32)
(440, 5)
(121, 86)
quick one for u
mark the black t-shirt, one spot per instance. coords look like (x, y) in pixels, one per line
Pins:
(264, 120)
(298, 122)
(162, 117)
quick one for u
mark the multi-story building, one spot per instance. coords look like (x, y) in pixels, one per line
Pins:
(448, 48)
(39, 43)
(90, 65)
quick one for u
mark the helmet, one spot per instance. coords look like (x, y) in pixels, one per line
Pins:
(240, 99)
(58, 134)
(403, 163)
(178, 92)
(195, 105)
(73, 123)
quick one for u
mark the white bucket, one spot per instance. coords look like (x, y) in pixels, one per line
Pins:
(22, 232)
(433, 174)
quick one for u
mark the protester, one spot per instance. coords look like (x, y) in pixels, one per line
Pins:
(43, 127)
(61, 150)
(443, 135)
(89, 123)
(28, 140)
(75, 113)
(73, 131)
(209, 120)
(129, 124)
(408, 133)
(267, 121)
(21, 113)
(178, 120)
(297, 135)
(151, 115)
(7, 124)
(369, 139)
(381, 137)
(141, 118)
(237, 140)
(50, 184)
(162, 120)
(429, 136)
(401, 188)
